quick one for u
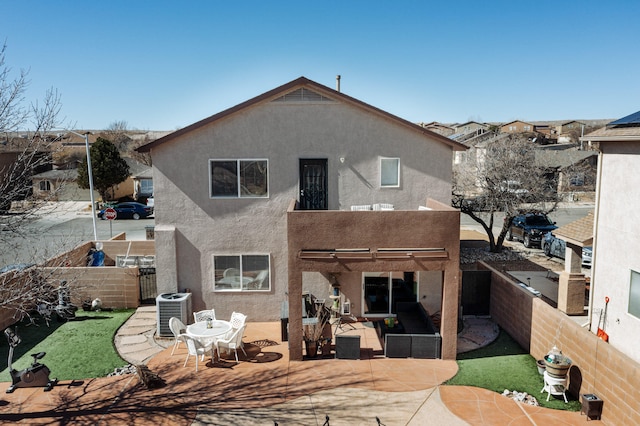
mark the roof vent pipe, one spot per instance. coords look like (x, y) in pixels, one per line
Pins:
(338, 82)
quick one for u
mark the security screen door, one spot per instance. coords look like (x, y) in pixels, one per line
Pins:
(313, 184)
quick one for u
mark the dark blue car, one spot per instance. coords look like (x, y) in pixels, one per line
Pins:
(530, 228)
(129, 210)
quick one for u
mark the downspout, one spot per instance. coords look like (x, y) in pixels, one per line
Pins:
(596, 214)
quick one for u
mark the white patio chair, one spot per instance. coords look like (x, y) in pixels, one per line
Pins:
(382, 206)
(234, 342)
(195, 348)
(177, 327)
(205, 315)
(237, 320)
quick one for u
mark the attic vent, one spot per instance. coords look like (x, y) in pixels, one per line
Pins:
(302, 94)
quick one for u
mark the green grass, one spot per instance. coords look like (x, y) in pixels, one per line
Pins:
(78, 349)
(505, 365)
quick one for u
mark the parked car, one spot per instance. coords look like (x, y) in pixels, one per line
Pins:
(530, 228)
(129, 210)
(150, 201)
(555, 247)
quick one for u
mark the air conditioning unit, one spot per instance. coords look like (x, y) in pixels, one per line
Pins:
(172, 305)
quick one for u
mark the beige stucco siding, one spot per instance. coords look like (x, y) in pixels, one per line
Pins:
(282, 133)
(617, 246)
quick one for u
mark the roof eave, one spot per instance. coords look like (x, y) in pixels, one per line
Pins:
(627, 138)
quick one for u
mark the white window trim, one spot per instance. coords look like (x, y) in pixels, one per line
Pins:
(381, 159)
(632, 293)
(240, 290)
(239, 196)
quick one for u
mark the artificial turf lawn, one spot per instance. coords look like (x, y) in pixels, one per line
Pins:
(505, 365)
(78, 349)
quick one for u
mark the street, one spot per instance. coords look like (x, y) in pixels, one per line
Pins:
(63, 227)
(565, 214)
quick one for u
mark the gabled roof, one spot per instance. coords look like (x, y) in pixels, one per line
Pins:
(516, 121)
(58, 174)
(137, 169)
(579, 232)
(285, 89)
(472, 122)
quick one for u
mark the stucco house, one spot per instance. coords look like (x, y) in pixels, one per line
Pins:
(616, 247)
(517, 126)
(61, 185)
(304, 189)
(570, 131)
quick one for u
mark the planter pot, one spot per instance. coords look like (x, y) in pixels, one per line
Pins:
(541, 366)
(557, 370)
(311, 348)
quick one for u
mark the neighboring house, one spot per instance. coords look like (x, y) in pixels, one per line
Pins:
(547, 130)
(616, 248)
(570, 170)
(15, 176)
(143, 184)
(517, 126)
(471, 127)
(439, 128)
(305, 189)
(137, 184)
(570, 131)
(59, 185)
(468, 130)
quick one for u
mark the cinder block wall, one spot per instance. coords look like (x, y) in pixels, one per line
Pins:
(604, 370)
(118, 288)
(511, 306)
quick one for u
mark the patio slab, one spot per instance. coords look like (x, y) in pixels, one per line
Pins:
(266, 387)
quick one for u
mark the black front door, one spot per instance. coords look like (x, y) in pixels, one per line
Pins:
(313, 184)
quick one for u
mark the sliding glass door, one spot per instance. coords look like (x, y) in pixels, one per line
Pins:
(383, 290)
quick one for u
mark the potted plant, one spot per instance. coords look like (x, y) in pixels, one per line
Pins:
(313, 334)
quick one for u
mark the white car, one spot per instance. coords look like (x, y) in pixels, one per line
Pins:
(150, 201)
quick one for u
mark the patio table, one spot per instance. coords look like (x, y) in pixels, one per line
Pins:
(207, 336)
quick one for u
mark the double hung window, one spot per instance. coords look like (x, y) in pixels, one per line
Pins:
(239, 178)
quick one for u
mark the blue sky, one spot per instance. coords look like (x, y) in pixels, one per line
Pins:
(161, 65)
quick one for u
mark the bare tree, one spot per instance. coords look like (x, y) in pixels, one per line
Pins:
(118, 133)
(141, 157)
(27, 143)
(502, 175)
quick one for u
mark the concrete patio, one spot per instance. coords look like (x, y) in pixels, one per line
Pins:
(267, 388)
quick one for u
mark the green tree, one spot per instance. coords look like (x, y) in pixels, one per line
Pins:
(107, 167)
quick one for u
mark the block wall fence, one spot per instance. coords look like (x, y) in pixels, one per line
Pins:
(118, 288)
(597, 367)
